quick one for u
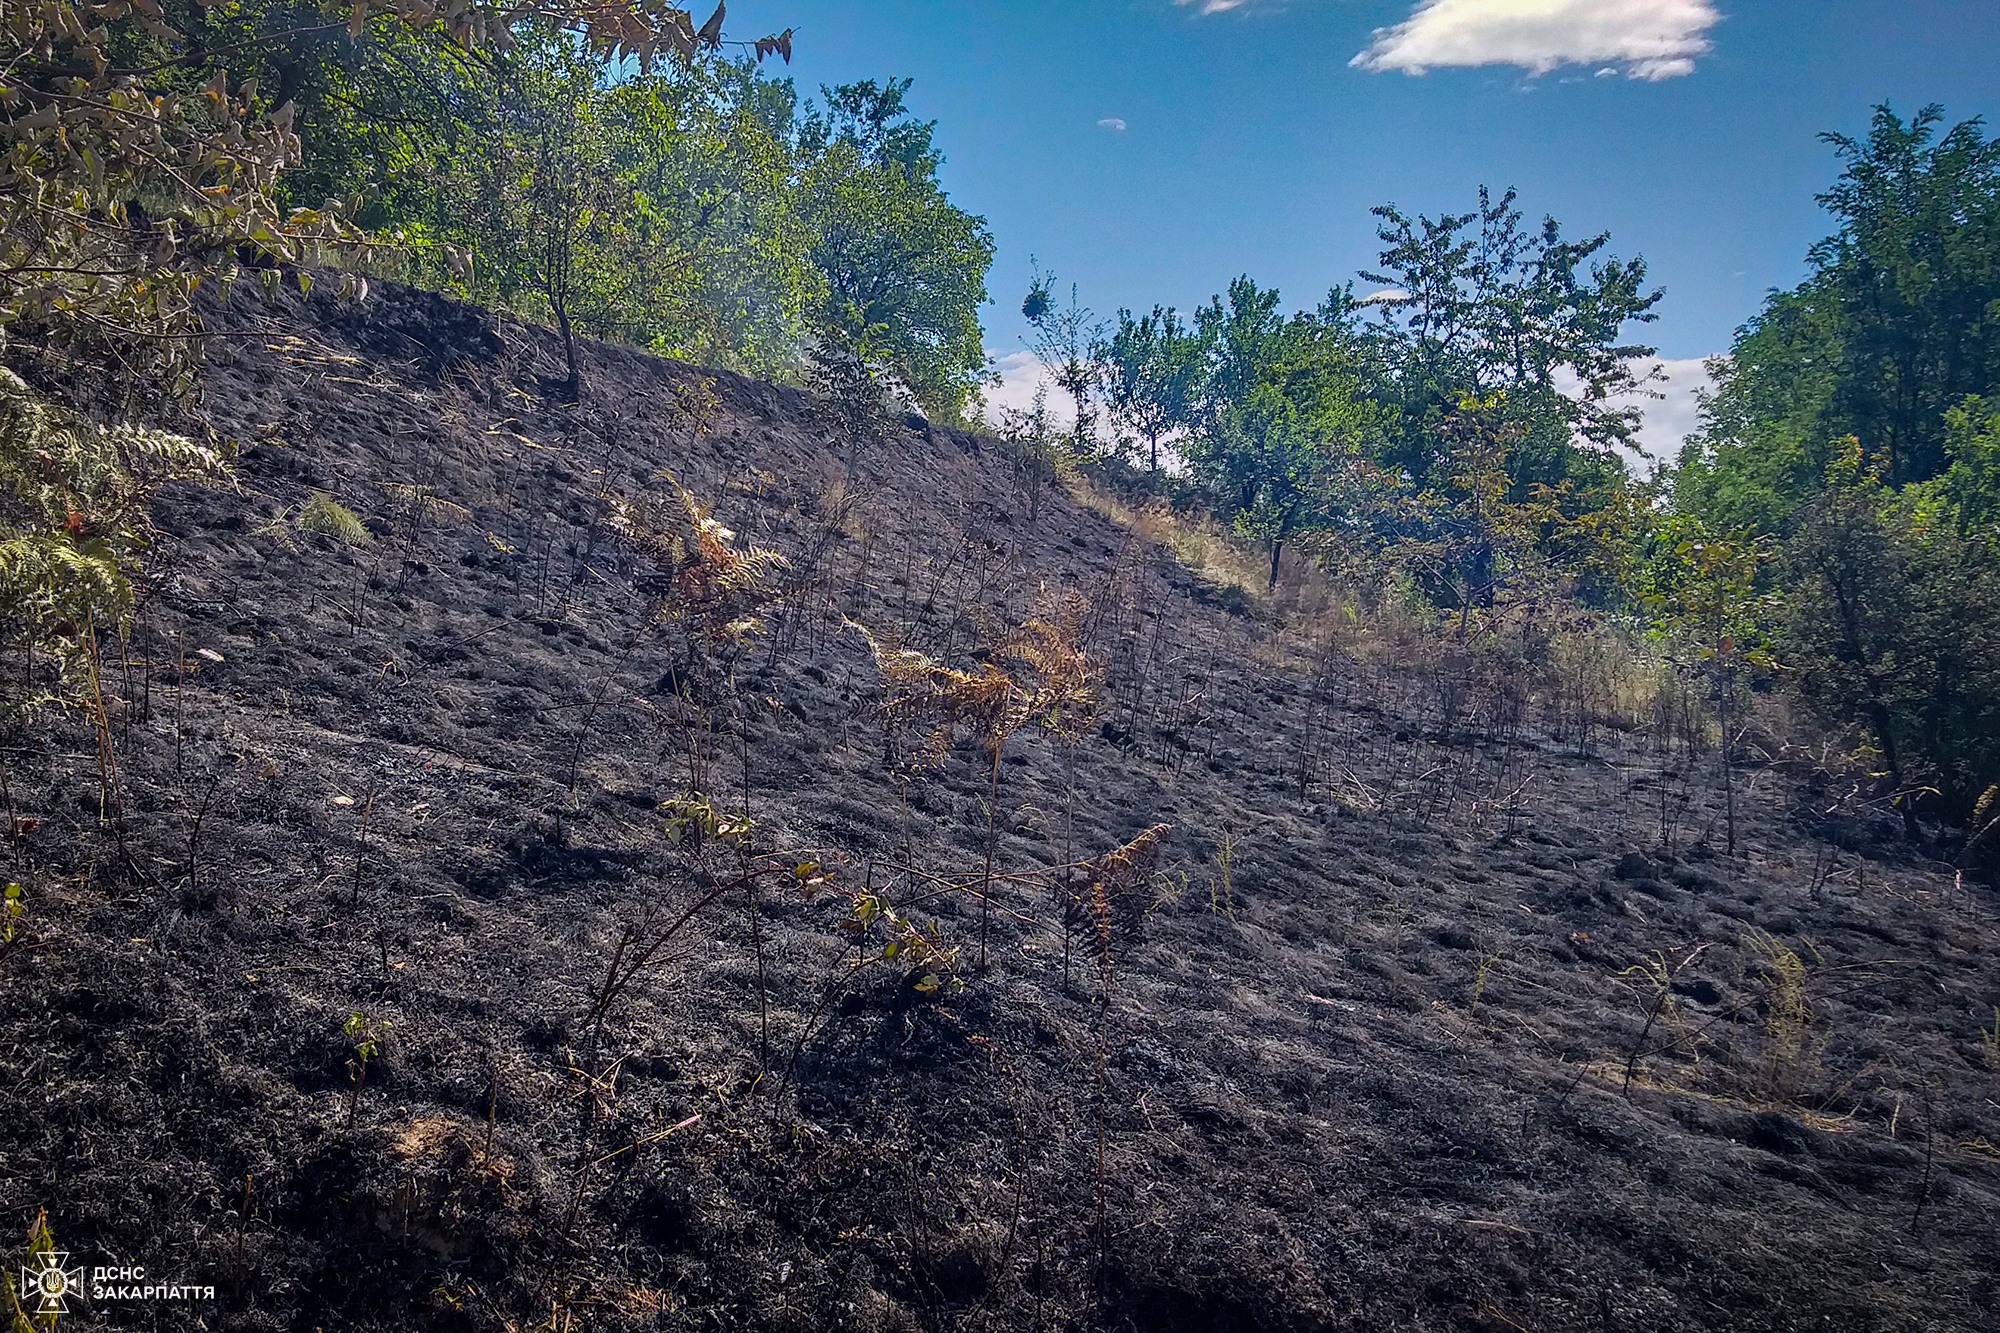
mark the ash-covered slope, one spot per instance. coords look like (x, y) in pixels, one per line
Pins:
(1363, 1064)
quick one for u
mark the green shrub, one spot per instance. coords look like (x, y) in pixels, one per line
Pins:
(1892, 626)
(73, 498)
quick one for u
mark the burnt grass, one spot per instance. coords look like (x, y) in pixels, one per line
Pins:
(1373, 1076)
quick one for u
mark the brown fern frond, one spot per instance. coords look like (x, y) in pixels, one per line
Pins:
(718, 588)
(928, 693)
(1103, 896)
(1050, 645)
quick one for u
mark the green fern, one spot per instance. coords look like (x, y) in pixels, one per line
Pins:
(56, 585)
(73, 498)
(41, 1254)
(328, 517)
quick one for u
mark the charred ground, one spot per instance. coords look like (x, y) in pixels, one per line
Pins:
(1448, 1009)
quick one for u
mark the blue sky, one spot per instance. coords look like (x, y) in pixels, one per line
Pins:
(1252, 142)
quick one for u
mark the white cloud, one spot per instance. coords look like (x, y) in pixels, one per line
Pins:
(1215, 6)
(1115, 124)
(1667, 402)
(1020, 375)
(1643, 39)
(1387, 296)
(1670, 420)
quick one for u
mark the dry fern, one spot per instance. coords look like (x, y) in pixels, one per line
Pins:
(718, 590)
(1050, 646)
(1102, 897)
(1055, 688)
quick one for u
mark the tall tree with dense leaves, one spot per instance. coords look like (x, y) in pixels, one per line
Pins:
(717, 241)
(1914, 267)
(1154, 374)
(1477, 304)
(1894, 327)
(558, 197)
(1242, 333)
(709, 240)
(897, 255)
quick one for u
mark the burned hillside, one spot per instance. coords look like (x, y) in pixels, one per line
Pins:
(665, 863)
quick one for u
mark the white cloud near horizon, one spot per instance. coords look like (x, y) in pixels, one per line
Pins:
(1643, 39)
(1669, 420)
(1020, 375)
(1116, 124)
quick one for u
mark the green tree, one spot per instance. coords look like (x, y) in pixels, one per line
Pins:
(895, 253)
(1154, 370)
(1701, 592)
(1914, 268)
(1476, 304)
(1762, 449)
(1972, 482)
(1891, 330)
(1283, 416)
(1892, 625)
(1241, 333)
(716, 246)
(1475, 545)
(559, 198)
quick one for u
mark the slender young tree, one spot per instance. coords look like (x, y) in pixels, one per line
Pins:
(1154, 371)
(1283, 416)
(1066, 341)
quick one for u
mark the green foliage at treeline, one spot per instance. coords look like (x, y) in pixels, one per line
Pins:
(1469, 427)
(1856, 423)
(1469, 415)
(694, 206)
(699, 210)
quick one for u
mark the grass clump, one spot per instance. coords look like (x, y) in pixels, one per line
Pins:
(325, 516)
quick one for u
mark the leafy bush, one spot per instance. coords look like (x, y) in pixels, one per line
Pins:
(1892, 625)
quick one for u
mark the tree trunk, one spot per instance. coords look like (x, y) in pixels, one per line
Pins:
(573, 390)
(1855, 650)
(1727, 710)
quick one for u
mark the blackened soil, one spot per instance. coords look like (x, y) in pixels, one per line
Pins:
(1366, 1067)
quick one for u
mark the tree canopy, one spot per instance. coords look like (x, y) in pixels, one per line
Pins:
(1854, 420)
